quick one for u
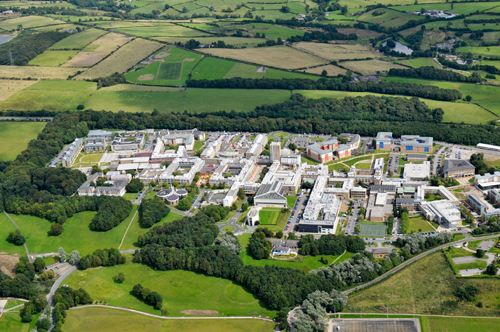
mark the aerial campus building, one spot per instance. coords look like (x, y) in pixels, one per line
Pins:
(329, 150)
(117, 181)
(413, 143)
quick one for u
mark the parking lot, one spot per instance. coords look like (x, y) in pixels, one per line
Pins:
(393, 163)
(297, 212)
(458, 153)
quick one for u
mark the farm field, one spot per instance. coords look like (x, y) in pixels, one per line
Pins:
(85, 59)
(330, 69)
(493, 51)
(245, 71)
(238, 41)
(107, 320)
(212, 68)
(76, 236)
(52, 58)
(390, 18)
(9, 87)
(164, 30)
(338, 51)
(121, 60)
(78, 41)
(453, 112)
(181, 290)
(272, 31)
(421, 62)
(426, 285)
(27, 22)
(51, 95)
(194, 100)
(15, 137)
(455, 324)
(370, 67)
(276, 56)
(48, 73)
(107, 43)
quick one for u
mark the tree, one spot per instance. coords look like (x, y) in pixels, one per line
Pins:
(292, 146)
(279, 234)
(56, 229)
(120, 278)
(74, 258)
(285, 9)
(39, 264)
(468, 98)
(244, 207)
(134, 186)
(16, 238)
(62, 253)
(184, 204)
(480, 253)
(241, 193)
(492, 269)
(324, 73)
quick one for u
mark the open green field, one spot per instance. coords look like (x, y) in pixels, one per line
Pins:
(456, 324)
(421, 62)
(428, 286)
(11, 322)
(6, 226)
(15, 137)
(419, 224)
(212, 68)
(237, 41)
(78, 41)
(76, 236)
(181, 290)
(269, 217)
(390, 18)
(290, 201)
(27, 22)
(192, 100)
(164, 30)
(52, 58)
(484, 51)
(109, 320)
(51, 95)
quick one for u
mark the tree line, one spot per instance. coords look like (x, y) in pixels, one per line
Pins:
(392, 88)
(434, 74)
(330, 245)
(106, 257)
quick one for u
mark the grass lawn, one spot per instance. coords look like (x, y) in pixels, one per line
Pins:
(6, 226)
(419, 224)
(228, 229)
(52, 58)
(282, 134)
(192, 100)
(15, 137)
(13, 303)
(109, 320)
(268, 216)
(458, 324)
(290, 201)
(181, 290)
(428, 284)
(76, 236)
(87, 159)
(136, 229)
(11, 322)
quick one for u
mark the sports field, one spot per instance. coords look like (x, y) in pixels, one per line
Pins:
(276, 56)
(51, 95)
(268, 216)
(373, 229)
(52, 58)
(15, 137)
(170, 100)
(181, 290)
(121, 60)
(338, 51)
(109, 320)
(455, 324)
(77, 41)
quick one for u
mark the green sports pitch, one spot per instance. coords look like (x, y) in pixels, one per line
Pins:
(373, 230)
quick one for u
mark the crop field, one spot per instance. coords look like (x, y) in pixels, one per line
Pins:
(421, 62)
(331, 70)
(76, 236)
(58, 27)
(27, 22)
(194, 100)
(243, 70)
(212, 68)
(338, 51)
(181, 290)
(77, 41)
(276, 56)
(47, 73)
(484, 51)
(370, 67)
(269, 217)
(52, 58)
(107, 43)
(426, 285)
(121, 60)
(51, 95)
(109, 320)
(9, 87)
(85, 59)
(453, 112)
(15, 137)
(163, 30)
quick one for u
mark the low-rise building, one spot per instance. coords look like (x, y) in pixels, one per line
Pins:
(127, 142)
(270, 194)
(488, 181)
(113, 188)
(477, 204)
(416, 157)
(416, 143)
(322, 152)
(417, 171)
(457, 169)
(383, 141)
(72, 152)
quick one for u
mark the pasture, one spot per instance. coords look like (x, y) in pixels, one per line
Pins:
(52, 58)
(6, 226)
(47, 73)
(212, 68)
(121, 60)
(272, 31)
(275, 56)
(9, 87)
(51, 95)
(493, 51)
(107, 43)
(27, 22)
(370, 67)
(108, 320)
(77, 41)
(237, 41)
(162, 30)
(338, 51)
(390, 18)
(181, 290)
(193, 100)
(15, 137)
(244, 71)
(331, 70)
(76, 236)
(421, 62)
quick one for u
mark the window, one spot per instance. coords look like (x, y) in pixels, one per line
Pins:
(409, 148)
(426, 149)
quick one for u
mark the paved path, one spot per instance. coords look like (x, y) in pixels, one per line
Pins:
(123, 239)
(50, 296)
(174, 318)
(411, 260)
(25, 246)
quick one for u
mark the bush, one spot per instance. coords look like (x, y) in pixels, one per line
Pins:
(56, 229)
(120, 278)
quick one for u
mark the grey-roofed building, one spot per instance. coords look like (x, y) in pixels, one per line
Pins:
(270, 195)
(382, 188)
(416, 143)
(408, 203)
(488, 181)
(383, 141)
(457, 169)
(477, 204)
(100, 134)
(187, 140)
(71, 152)
(417, 171)
(416, 157)
(301, 142)
(127, 142)
(117, 189)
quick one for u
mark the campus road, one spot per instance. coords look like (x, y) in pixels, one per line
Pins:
(411, 260)
(50, 296)
(25, 246)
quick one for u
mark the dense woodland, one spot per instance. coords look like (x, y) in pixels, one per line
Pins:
(27, 46)
(65, 298)
(152, 211)
(330, 245)
(391, 88)
(106, 257)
